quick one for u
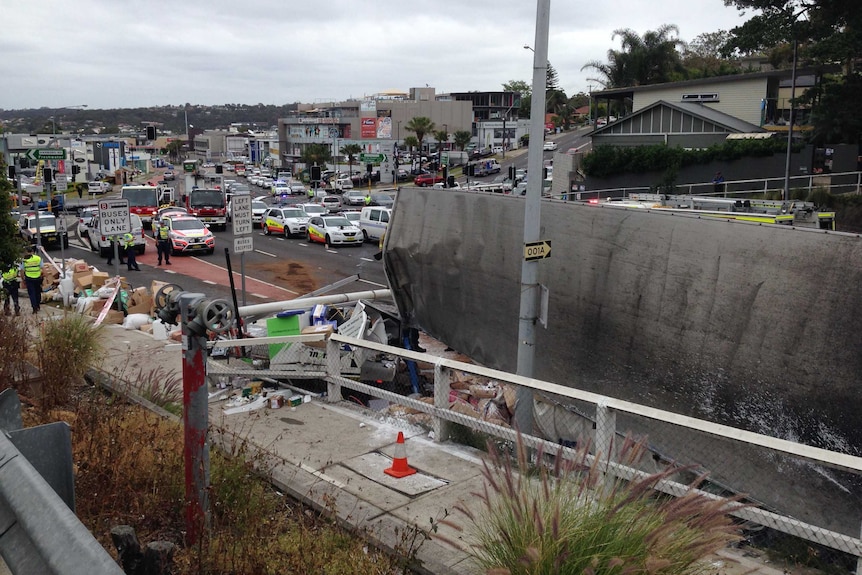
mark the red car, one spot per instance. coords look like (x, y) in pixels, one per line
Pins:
(423, 180)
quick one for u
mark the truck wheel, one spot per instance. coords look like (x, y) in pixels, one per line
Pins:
(364, 235)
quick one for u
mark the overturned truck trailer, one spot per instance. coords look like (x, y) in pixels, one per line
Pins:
(754, 326)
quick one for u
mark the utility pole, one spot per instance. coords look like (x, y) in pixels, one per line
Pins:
(528, 315)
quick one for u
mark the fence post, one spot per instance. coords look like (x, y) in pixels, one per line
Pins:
(441, 401)
(333, 370)
(606, 423)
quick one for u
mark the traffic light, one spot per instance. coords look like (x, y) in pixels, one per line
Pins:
(369, 168)
(315, 173)
(446, 176)
(219, 169)
(512, 172)
(11, 172)
(48, 175)
(544, 173)
(151, 132)
(450, 182)
(470, 170)
(76, 170)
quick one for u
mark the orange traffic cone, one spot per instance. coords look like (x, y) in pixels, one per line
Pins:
(399, 467)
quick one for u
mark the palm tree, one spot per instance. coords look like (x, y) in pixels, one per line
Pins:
(351, 151)
(441, 136)
(411, 142)
(651, 59)
(318, 154)
(462, 138)
(420, 125)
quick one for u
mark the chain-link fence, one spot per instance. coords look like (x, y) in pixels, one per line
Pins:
(803, 491)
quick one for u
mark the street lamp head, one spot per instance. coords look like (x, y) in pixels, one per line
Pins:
(528, 47)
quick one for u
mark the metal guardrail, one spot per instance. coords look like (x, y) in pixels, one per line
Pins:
(836, 183)
(561, 407)
(39, 531)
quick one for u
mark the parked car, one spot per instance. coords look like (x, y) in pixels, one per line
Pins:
(332, 230)
(352, 216)
(103, 245)
(289, 221)
(296, 187)
(423, 180)
(98, 187)
(354, 198)
(313, 209)
(331, 203)
(385, 199)
(343, 182)
(188, 235)
(280, 188)
(85, 215)
(373, 221)
(42, 226)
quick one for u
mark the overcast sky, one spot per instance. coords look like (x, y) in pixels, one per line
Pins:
(127, 54)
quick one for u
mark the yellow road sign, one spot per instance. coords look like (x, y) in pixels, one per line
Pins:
(537, 250)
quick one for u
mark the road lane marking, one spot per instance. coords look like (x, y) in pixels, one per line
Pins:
(266, 253)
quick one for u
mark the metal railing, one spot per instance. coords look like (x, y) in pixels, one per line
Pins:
(835, 183)
(568, 416)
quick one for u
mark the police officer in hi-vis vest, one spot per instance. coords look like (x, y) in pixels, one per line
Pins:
(163, 244)
(131, 255)
(31, 269)
(11, 284)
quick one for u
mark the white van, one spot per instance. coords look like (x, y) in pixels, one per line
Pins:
(373, 221)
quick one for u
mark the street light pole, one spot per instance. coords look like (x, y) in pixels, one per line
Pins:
(790, 126)
(529, 289)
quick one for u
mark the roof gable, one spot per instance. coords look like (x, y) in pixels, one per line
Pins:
(664, 117)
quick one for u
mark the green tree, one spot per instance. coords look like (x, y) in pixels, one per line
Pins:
(520, 86)
(462, 138)
(319, 154)
(351, 151)
(441, 136)
(651, 59)
(411, 142)
(826, 32)
(703, 58)
(420, 125)
(174, 149)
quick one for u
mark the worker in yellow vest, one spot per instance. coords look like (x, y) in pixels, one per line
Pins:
(129, 243)
(11, 284)
(31, 269)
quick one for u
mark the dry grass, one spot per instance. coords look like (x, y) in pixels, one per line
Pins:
(130, 471)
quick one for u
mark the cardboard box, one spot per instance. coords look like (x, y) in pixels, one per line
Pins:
(324, 329)
(146, 328)
(82, 280)
(114, 316)
(139, 304)
(99, 279)
(80, 266)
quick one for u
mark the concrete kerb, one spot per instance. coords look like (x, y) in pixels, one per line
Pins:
(302, 482)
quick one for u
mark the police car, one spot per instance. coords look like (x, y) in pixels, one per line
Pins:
(289, 221)
(188, 234)
(332, 230)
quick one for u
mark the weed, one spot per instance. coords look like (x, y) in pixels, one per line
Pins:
(571, 518)
(65, 349)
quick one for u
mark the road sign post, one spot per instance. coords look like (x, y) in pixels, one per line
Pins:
(45, 154)
(537, 250)
(240, 214)
(242, 244)
(114, 218)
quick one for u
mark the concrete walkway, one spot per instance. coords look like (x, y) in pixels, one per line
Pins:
(332, 456)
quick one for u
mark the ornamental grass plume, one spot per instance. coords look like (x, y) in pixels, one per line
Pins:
(571, 518)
